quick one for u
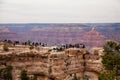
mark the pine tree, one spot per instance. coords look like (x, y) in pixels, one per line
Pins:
(111, 61)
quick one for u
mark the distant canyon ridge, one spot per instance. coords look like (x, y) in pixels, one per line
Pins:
(94, 34)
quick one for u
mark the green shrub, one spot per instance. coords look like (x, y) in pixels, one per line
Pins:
(111, 60)
(31, 47)
(108, 76)
(6, 73)
(24, 75)
(5, 47)
(34, 78)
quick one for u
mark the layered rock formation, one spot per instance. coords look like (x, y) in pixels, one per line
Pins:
(52, 65)
(62, 33)
(55, 35)
(93, 38)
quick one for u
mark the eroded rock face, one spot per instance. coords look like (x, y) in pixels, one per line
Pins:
(63, 65)
(93, 38)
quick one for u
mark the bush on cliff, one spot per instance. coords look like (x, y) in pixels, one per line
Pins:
(111, 61)
(5, 47)
(24, 75)
(6, 73)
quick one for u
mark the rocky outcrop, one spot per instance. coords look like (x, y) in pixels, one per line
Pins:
(62, 65)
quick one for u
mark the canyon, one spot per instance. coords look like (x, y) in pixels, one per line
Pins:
(62, 33)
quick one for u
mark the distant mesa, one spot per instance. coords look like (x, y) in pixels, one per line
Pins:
(94, 38)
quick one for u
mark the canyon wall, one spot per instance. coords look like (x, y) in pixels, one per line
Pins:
(53, 65)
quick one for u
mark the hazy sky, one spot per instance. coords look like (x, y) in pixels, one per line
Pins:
(56, 11)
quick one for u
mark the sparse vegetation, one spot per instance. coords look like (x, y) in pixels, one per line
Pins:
(107, 76)
(6, 73)
(34, 77)
(5, 47)
(24, 75)
(111, 61)
(31, 47)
